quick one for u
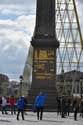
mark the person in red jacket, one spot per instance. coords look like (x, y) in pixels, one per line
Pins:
(12, 105)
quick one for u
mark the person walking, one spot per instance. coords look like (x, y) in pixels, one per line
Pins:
(39, 105)
(20, 106)
(76, 108)
(12, 105)
(4, 105)
(68, 104)
(63, 106)
(58, 105)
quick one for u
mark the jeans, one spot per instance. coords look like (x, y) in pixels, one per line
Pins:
(39, 113)
(22, 113)
(4, 110)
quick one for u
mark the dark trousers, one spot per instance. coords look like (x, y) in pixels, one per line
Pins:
(68, 110)
(22, 114)
(63, 112)
(13, 110)
(75, 115)
(59, 110)
(4, 110)
(39, 113)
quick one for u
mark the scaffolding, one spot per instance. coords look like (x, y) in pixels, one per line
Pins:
(68, 32)
(69, 54)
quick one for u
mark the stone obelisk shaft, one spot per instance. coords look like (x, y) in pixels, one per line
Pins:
(44, 44)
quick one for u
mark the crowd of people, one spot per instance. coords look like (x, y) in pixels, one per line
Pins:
(13, 105)
(65, 105)
(20, 105)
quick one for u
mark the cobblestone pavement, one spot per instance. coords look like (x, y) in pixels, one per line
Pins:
(49, 118)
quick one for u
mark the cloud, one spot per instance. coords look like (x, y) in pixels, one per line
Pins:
(17, 20)
(17, 7)
(80, 1)
(28, 2)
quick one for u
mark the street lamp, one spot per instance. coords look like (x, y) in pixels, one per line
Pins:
(81, 80)
(21, 81)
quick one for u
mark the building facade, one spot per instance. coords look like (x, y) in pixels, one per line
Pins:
(70, 83)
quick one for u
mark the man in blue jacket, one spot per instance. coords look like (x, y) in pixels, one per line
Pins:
(20, 106)
(39, 104)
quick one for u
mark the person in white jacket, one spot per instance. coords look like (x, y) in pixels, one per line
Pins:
(4, 105)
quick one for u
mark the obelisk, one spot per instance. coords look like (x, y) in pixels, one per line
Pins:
(44, 44)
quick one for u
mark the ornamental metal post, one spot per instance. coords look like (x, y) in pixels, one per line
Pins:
(21, 81)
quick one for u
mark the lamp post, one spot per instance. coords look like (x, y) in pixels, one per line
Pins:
(81, 80)
(21, 81)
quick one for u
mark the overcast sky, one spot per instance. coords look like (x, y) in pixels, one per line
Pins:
(17, 21)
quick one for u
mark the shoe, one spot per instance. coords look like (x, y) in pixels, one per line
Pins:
(17, 118)
(62, 116)
(37, 118)
(6, 113)
(40, 118)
